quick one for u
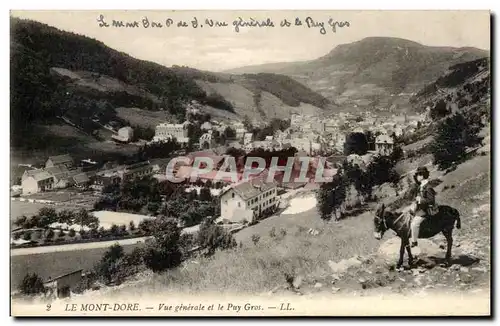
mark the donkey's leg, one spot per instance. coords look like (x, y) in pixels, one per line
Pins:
(449, 243)
(401, 254)
(410, 256)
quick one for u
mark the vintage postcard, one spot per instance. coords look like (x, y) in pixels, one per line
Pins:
(250, 163)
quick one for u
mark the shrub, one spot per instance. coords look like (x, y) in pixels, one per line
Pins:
(32, 284)
(84, 234)
(255, 239)
(272, 232)
(49, 234)
(283, 232)
(20, 221)
(135, 258)
(114, 230)
(71, 233)
(16, 235)
(27, 235)
(131, 226)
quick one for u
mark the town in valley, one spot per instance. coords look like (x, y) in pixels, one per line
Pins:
(93, 208)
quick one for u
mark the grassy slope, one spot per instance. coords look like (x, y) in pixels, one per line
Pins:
(56, 263)
(261, 267)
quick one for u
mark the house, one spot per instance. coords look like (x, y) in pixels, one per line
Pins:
(106, 178)
(35, 181)
(137, 170)
(384, 144)
(81, 180)
(64, 284)
(240, 132)
(248, 200)
(119, 174)
(167, 131)
(207, 141)
(247, 138)
(302, 144)
(65, 160)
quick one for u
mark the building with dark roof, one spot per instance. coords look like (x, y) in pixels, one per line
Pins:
(65, 160)
(249, 200)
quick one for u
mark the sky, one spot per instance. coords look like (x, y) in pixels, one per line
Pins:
(222, 48)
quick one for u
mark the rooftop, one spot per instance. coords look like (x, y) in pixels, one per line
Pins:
(61, 159)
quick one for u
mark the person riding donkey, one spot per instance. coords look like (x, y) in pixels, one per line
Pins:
(425, 203)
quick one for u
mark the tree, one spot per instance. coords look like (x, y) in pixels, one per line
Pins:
(356, 143)
(71, 233)
(229, 133)
(48, 215)
(453, 136)
(65, 216)
(330, 197)
(205, 194)
(212, 237)
(439, 110)
(147, 225)
(164, 251)
(381, 170)
(32, 284)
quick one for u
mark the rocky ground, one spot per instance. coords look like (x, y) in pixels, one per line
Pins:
(376, 273)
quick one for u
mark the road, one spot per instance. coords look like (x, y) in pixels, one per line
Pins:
(74, 246)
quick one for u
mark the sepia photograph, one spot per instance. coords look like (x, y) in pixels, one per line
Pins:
(250, 163)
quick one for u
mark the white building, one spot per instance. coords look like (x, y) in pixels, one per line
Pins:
(248, 200)
(35, 181)
(167, 131)
(207, 141)
(247, 138)
(302, 144)
(384, 144)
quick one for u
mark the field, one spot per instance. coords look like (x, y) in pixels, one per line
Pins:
(18, 208)
(143, 118)
(107, 218)
(55, 263)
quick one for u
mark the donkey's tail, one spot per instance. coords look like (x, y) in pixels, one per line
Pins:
(457, 218)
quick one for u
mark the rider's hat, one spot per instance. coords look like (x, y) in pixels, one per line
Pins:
(421, 171)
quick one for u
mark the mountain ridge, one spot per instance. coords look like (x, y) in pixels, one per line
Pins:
(53, 71)
(373, 71)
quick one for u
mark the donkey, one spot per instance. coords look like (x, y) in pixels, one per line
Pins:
(443, 221)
